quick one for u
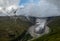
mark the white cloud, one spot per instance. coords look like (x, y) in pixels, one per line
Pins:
(30, 9)
(43, 9)
(5, 3)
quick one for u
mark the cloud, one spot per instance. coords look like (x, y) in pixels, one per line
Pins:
(5, 3)
(43, 8)
(29, 9)
(25, 11)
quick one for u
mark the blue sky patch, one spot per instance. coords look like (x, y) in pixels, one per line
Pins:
(23, 2)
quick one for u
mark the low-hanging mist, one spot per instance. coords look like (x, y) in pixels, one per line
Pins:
(41, 8)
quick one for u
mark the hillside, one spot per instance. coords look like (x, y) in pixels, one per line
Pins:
(54, 34)
(11, 29)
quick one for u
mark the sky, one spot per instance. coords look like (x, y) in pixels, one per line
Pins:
(27, 8)
(41, 8)
(23, 2)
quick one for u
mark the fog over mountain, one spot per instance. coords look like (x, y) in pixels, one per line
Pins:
(5, 3)
(40, 8)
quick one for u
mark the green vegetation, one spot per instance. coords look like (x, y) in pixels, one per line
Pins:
(54, 34)
(11, 29)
